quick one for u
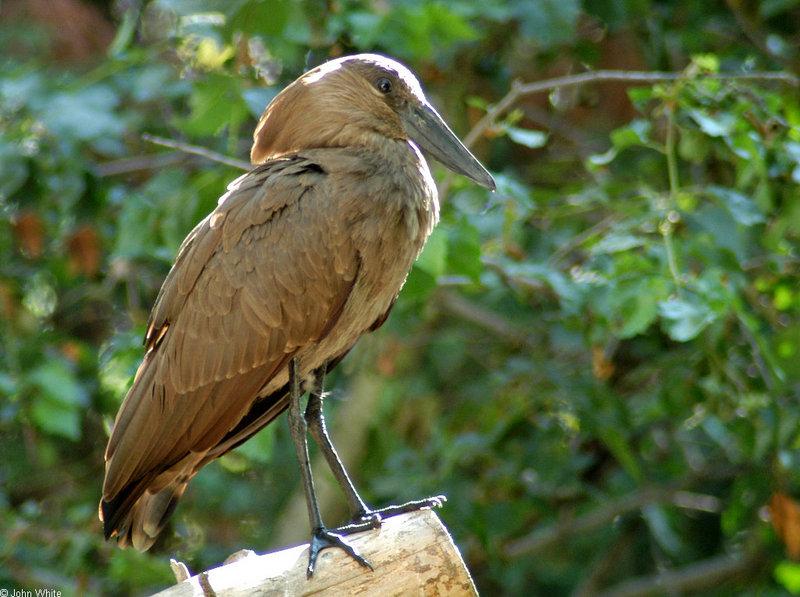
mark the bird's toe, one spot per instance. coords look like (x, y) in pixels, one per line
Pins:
(323, 538)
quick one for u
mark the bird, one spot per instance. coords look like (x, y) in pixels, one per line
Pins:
(303, 255)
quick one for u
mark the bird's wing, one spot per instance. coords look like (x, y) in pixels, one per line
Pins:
(268, 271)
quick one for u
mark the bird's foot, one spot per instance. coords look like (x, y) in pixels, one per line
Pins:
(322, 538)
(370, 520)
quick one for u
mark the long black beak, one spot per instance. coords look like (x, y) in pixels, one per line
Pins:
(428, 130)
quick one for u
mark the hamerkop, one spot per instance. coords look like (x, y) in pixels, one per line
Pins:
(302, 255)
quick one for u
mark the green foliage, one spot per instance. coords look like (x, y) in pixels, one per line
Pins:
(598, 364)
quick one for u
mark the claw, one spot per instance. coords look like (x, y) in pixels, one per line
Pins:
(322, 538)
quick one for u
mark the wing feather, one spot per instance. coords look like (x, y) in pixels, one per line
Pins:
(252, 284)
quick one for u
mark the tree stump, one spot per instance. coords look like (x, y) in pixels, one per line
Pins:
(412, 554)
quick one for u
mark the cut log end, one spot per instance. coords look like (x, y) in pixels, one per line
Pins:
(412, 554)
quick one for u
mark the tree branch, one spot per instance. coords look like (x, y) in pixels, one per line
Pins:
(197, 150)
(703, 576)
(519, 89)
(413, 554)
(542, 538)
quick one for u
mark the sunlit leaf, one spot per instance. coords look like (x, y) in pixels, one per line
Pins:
(743, 209)
(58, 399)
(635, 133)
(603, 159)
(85, 114)
(716, 125)
(683, 320)
(787, 574)
(526, 137)
(433, 258)
(659, 524)
(614, 243)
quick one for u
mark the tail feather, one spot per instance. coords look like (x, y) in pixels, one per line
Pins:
(139, 524)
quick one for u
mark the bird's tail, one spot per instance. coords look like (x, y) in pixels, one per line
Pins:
(139, 525)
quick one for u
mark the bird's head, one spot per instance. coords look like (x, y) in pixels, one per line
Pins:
(352, 101)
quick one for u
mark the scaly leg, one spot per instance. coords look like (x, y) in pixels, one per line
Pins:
(320, 536)
(364, 518)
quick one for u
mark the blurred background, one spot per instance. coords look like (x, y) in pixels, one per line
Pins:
(598, 364)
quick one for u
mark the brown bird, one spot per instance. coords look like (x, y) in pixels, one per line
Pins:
(303, 255)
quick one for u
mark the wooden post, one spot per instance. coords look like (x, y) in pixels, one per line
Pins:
(412, 554)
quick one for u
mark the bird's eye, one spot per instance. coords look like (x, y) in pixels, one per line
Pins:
(384, 85)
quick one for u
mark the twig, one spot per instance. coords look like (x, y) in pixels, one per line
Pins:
(136, 163)
(519, 89)
(542, 538)
(488, 320)
(695, 578)
(607, 562)
(197, 150)
(576, 241)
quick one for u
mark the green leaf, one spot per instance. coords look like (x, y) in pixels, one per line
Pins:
(57, 399)
(258, 448)
(563, 286)
(603, 159)
(258, 98)
(433, 258)
(261, 17)
(693, 146)
(636, 133)
(216, 102)
(787, 574)
(743, 209)
(724, 230)
(13, 168)
(614, 243)
(56, 418)
(722, 436)
(417, 29)
(549, 22)
(619, 446)
(528, 138)
(418, 286)
(638, 305)
(86, 114)
(464, 251)
(658, 522)
(721, 124)
(132, 566)
(682, 320)
(58, 383)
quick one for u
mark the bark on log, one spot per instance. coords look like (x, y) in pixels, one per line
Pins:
(412, 554)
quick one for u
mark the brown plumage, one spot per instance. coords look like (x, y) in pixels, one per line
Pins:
(303, 255)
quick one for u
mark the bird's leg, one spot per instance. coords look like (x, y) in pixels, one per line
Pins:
(320, 536)
(319, 431)
(364, 518)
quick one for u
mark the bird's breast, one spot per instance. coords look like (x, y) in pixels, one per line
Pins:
(393, 219)
(388, 207)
